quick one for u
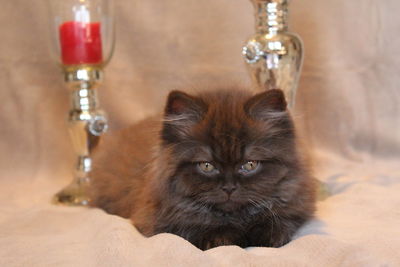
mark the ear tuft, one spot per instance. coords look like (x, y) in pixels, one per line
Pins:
(177, 103)
(181, 103)
(182, 111)
(267, 101)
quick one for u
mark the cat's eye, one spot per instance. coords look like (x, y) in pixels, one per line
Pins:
(207, 168)
(249, 167)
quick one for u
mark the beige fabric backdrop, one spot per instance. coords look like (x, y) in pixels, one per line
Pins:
(348, 104)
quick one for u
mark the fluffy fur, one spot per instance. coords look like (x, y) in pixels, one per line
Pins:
(150, 171)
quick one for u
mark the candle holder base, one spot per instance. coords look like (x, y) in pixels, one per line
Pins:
(87, 122)
(75, 194)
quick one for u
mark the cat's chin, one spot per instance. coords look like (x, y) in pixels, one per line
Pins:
(228, 206)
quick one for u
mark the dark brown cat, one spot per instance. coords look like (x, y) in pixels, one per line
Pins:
(222, 168)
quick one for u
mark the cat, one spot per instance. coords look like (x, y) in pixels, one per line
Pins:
(220, 168)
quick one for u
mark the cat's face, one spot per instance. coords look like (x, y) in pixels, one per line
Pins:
(231, 150)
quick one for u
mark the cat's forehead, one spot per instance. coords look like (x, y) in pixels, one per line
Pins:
(231, 136)
(226, 112)
(224, 130)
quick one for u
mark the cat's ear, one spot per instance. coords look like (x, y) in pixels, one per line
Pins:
(266, 102)
(182, 111)
(180, 103)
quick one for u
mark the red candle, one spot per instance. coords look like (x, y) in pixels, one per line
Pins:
(80, 43)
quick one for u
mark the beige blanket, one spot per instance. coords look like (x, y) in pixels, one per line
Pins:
(348, 106)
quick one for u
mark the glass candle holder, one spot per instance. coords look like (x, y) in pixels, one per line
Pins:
(82, 44)
(274, 55)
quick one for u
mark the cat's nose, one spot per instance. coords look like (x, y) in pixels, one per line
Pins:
(228, 188)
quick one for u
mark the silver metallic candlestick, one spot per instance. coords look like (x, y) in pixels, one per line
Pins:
(83, 37)
(273, 55)
(86, 123)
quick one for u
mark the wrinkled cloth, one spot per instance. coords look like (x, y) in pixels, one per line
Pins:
(347, 109)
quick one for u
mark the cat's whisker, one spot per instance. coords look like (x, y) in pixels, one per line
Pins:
(175, 118)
